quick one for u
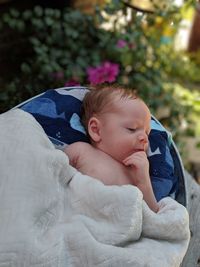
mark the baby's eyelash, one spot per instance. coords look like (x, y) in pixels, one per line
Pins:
(131, 129)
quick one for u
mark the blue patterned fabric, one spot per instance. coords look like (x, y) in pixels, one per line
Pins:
(58, 112)
(164, 181)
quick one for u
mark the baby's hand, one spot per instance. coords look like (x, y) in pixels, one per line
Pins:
(139, 163)
(140, 177)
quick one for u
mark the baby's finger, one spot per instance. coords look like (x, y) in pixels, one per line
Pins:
(132, 157)
(126, 160)
(130, 161)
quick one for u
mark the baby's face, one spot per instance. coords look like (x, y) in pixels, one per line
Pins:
(125, 128)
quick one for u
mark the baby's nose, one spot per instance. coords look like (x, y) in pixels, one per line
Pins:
(143, 138)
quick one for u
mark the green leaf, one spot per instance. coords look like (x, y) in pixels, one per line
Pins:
(25, 68)
(27, 14)
(14, 13)
(38, 11)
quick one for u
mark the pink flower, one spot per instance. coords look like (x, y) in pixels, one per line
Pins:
(106, 72)
(71, 82)
(121, 43)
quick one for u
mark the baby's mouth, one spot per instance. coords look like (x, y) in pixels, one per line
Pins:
(138, 150)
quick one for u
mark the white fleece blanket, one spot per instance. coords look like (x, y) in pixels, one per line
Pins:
(52, 215)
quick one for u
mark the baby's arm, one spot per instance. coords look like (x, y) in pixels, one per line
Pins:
(73, 152)
(140, 165)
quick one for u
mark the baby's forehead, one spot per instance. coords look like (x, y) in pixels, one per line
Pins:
(135, 109)
(122, 102)
(129, 102)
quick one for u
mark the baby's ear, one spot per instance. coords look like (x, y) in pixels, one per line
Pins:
(94, 129)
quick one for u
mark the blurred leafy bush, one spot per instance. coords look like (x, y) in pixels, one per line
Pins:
(49, 48)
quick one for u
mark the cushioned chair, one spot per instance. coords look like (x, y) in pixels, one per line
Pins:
(58, 112)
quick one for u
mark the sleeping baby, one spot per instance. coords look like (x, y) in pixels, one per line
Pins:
(118, 125)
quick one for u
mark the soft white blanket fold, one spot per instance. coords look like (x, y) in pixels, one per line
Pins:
(52, 215)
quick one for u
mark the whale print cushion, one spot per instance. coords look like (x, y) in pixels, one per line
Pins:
(58, 112)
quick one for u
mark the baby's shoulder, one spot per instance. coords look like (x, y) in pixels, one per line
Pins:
(80, 145)
(76, 152)
(77, 147)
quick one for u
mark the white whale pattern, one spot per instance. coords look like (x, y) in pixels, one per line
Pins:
(76, 124)
(151, 153)
(77, 93)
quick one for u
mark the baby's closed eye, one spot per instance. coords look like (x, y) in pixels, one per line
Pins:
(132, 130)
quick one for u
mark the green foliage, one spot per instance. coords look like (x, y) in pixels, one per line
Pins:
(57, 46)
(53, 47)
